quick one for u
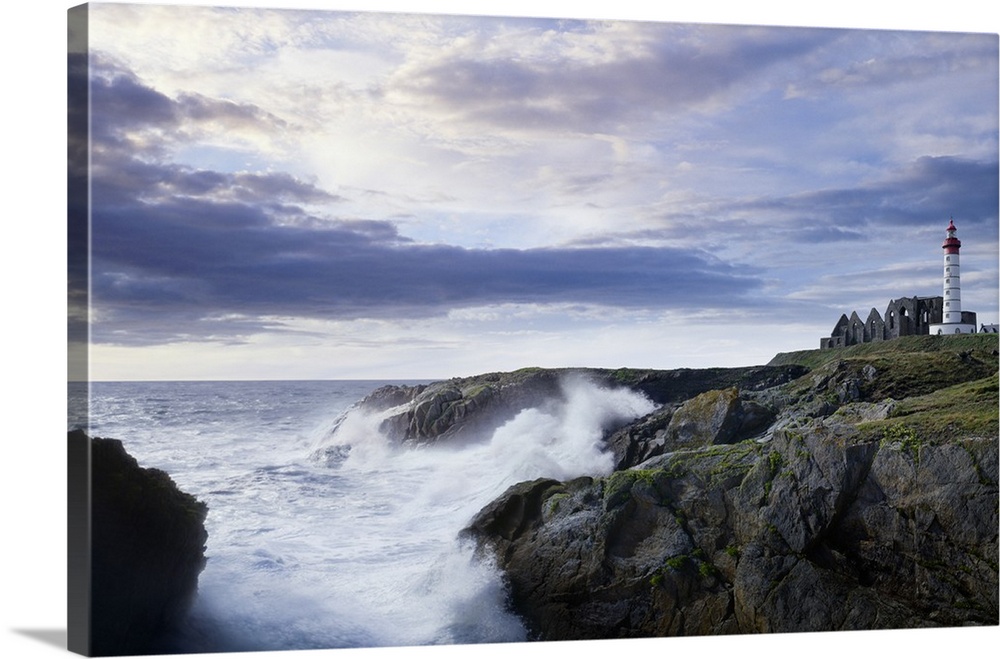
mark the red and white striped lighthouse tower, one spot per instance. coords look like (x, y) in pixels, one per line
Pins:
(952, 316)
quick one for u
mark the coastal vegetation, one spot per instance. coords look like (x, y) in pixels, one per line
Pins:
(857, 493)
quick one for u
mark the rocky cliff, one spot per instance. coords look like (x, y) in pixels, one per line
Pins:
(857, 492)
(147, 550)
(464, 408)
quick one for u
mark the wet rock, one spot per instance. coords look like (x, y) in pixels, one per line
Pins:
(808, 532)
(466, 408)
(820, 505)
(148, 549)
(716, 417)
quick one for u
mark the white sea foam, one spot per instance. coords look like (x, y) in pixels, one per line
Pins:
(358, 548)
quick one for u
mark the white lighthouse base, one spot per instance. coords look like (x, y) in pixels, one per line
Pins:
(952, 328)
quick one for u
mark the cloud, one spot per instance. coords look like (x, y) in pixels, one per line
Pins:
(595, 78)
(127, 113)
(610, 166)
(826, 235)
(903, 58)
(185, 255)
(923, 193)
(182, 252)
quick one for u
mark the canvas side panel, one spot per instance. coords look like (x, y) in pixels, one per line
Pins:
(78, 331)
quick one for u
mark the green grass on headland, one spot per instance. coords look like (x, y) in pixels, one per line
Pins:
(981, 346)
(945, 387)
(965, 410)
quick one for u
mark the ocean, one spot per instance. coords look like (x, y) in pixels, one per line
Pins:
(324, 534)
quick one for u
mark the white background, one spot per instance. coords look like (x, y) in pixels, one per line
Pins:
(32, 324)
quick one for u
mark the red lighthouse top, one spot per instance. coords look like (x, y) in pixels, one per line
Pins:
(951, 243)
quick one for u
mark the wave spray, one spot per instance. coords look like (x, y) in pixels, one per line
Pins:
(352, 541)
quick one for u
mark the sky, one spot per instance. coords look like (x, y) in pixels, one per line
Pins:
(286, 194)
(33, 287)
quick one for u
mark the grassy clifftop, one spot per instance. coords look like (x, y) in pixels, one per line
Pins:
(943, 387)
(981, 346)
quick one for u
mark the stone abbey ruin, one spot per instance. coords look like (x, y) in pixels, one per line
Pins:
(908, 316)
(905, 316)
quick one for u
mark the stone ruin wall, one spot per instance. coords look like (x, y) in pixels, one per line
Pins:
(906, 316)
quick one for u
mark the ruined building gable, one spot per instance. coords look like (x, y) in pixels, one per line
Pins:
(875, 325)
(905, 316)
(909, 316)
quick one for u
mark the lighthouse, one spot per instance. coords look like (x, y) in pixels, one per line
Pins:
(954, 321)
(911, 316)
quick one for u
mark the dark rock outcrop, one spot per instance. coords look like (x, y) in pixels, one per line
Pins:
(463, 408)
(718, 416)
(862, 495)
(641, 440)
(460, 407)
(809, 532)
(673, 387)
(148, 548)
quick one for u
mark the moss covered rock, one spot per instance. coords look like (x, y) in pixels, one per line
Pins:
(866, 497)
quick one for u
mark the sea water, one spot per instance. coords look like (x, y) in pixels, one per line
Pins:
(325, 534)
